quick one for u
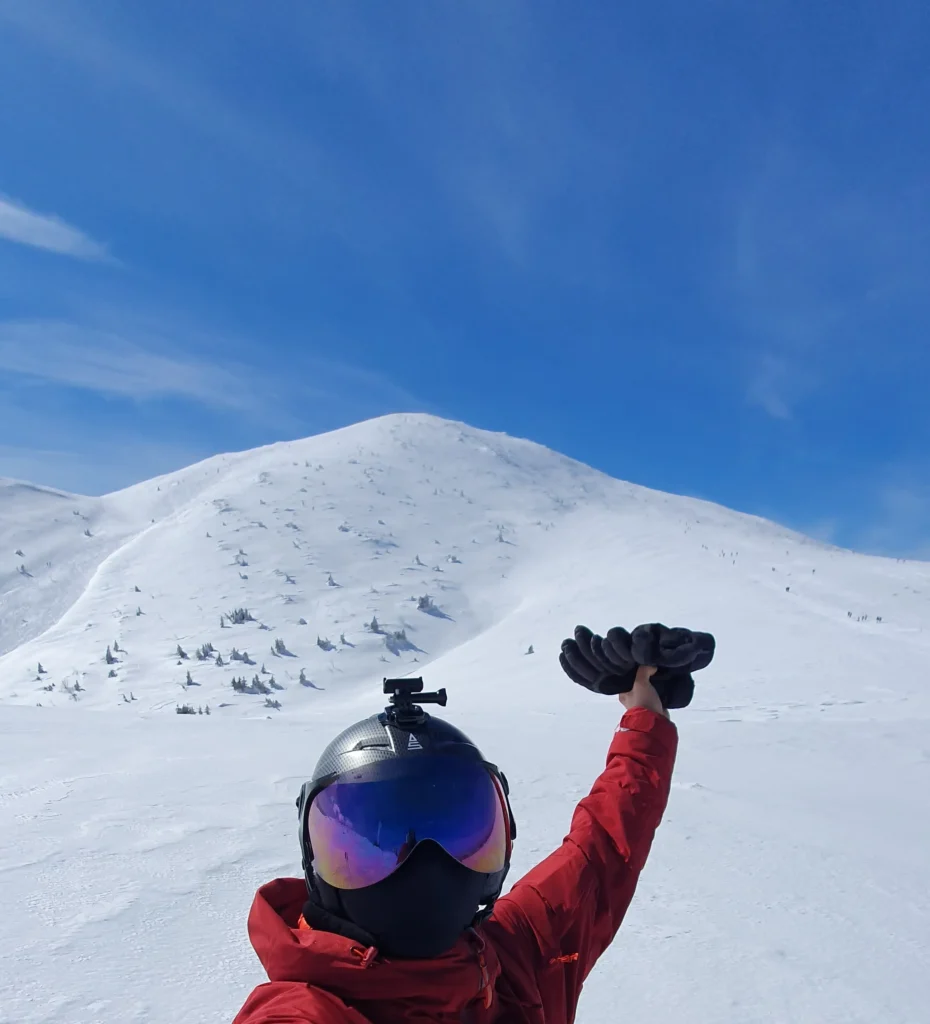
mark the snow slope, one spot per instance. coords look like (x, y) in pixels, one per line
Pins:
(789, 881)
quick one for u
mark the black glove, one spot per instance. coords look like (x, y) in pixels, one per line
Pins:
(676, 653)
(601, 664)
(608, 664)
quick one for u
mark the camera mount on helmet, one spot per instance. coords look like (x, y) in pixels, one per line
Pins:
(402, 711)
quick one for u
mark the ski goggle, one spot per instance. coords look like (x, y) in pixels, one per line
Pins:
(363, 826)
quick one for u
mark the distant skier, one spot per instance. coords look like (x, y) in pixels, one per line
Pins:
(406, 835)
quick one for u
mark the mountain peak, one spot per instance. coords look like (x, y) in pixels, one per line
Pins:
(435, 530)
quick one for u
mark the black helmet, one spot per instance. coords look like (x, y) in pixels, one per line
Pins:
(405, 829)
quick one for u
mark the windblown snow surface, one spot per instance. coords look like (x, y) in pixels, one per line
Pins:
(790, 880)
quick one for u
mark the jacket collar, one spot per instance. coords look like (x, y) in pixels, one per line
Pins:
(447, 984)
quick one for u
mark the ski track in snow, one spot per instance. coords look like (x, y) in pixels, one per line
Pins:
(788, 882)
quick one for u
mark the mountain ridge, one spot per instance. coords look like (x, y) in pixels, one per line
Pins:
(436, 530)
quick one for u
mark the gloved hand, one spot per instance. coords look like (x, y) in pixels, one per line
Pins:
(608, 664)
(677, 653)
(601, 664)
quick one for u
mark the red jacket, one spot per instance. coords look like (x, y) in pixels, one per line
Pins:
(527, 962)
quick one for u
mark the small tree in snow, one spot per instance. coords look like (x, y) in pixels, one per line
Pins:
(110, 660)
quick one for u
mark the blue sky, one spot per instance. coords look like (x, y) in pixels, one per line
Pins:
(685, 242)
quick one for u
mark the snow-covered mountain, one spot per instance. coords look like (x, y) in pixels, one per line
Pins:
(435, 532)
(790, 878)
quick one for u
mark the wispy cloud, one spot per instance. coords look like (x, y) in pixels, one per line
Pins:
(248, 398)
(769, 386)
(488, 158)
(508, 140)
(901, 523)
(108, 362)
(815, 271)
(778, 380)
(108, 50)
(97, 467)
(144, 360)
(46, 231)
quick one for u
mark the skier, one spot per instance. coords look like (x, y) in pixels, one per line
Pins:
(406, 835)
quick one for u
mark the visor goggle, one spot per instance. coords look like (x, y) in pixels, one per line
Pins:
(363, 825)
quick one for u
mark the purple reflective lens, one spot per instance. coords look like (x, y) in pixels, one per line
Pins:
(364, 825)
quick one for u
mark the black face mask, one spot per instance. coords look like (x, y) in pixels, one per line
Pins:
(417, 912)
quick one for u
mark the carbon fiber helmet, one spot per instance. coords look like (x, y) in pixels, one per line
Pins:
(427, 896)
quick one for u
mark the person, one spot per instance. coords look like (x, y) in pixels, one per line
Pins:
(406, 834)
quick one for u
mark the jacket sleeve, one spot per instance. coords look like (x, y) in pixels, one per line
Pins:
(568, 908)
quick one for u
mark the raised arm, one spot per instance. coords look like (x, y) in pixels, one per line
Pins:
(565, 912)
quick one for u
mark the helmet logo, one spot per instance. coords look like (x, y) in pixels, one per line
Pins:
(414, 743)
